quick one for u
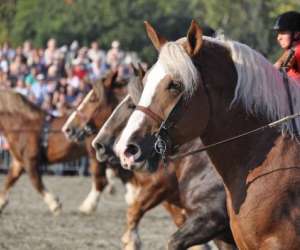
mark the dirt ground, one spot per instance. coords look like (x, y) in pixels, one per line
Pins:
(26, 223)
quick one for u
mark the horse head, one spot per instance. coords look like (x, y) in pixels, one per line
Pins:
(95, 108)
(104, 141)
(169, 86)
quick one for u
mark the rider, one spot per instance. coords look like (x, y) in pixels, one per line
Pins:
(287, 26)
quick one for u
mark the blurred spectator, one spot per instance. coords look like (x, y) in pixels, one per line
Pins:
(114, 55)
(50, 52)
(7, 51)
(95, 53)
(17, 68)
(4, 65)
(22, 88)
(39, 89)
(30, 79)
(57, 79)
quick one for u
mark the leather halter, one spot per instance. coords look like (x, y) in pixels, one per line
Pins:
(157, 118)
(163, 144)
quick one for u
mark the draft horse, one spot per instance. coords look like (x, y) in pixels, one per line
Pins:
(25, 127)
(218, 89)
(189, 184)
(82, 125)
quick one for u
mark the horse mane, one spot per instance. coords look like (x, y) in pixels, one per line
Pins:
(14, 103)
(260, 87)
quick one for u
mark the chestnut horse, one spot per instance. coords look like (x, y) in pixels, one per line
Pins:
(194, 187)
(93, 113)
(24, 126)
(217, 89)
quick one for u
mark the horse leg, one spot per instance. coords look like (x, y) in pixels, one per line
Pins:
(140, 200)
(111, 176)
(36, 180)
(178, 214)
(99, 182)
(198, 229)
(14, 172)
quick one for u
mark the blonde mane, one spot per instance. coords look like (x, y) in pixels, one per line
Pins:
(14, 103)
(260, 87)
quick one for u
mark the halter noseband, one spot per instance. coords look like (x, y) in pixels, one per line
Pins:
(163, 143)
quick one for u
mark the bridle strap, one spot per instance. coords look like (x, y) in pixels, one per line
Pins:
(150, 113)
(205, 148)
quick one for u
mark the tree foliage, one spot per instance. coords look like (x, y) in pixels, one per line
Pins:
(248, 21)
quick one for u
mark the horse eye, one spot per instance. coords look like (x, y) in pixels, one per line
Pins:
(175, 86)
(131, 106)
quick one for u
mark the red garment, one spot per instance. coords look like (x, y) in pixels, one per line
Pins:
(294, 71)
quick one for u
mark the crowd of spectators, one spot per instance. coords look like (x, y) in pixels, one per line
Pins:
(57, 78)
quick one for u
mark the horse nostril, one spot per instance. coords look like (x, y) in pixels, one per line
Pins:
(68, 131)
(132, 150)
(99, 147)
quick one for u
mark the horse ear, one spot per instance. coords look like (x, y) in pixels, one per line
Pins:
(110, 79)
(157, 40)
(194, 39)
(98, 88)
(135, 69)
(141, 71)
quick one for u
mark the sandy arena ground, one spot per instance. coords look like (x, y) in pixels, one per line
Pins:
(26, 223)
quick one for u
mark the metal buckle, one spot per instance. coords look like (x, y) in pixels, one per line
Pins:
(160, 147)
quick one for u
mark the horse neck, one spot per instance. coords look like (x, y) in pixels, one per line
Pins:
(225, 121)
(233, 159)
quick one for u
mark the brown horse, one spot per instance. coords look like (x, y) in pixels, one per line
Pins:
(193, 187)
(217, 89)
(83, 124)
(24, 126)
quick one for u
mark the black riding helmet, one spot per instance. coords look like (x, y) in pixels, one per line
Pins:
(288, 21)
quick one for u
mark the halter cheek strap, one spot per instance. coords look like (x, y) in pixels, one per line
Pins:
(157, 118)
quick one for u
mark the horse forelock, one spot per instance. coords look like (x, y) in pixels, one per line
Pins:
(260, 87)
(179, 65)
(14, 103)
(135, 88)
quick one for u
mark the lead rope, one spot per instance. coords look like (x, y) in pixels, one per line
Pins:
(270, 125)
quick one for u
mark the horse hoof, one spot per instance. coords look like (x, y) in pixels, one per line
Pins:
(111, 189)
(132, 246)
(57, 210)
(86, 210)
(131, 241)
(3, 204)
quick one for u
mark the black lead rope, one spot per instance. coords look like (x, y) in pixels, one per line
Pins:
(270, 125)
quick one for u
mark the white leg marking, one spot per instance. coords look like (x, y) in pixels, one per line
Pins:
(131, 193)
(3, 201)
(52, 202)
(131, 240)
(89, 205)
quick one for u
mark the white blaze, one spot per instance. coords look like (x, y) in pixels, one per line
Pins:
(135, 121)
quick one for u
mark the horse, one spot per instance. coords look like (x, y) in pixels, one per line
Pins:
(216, 89)
(110, 90)
(194, 187)
(35, 139)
